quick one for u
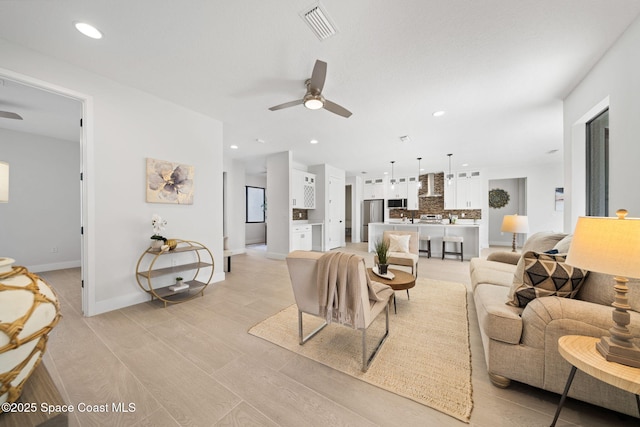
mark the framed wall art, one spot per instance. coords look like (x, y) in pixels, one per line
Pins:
(169, 182)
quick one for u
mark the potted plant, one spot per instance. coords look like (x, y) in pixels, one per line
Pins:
(158, 225)
(382, 250)
(178, 280)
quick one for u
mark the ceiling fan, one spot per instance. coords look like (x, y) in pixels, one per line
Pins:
(10, 115)
(313, 99)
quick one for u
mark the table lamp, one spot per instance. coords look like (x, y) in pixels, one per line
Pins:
(515, 224)
(4, 182)
(611, 246)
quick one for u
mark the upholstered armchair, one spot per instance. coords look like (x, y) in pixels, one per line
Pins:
(403, 249)
(358, 300)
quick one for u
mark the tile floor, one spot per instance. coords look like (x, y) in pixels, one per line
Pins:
(194, 364)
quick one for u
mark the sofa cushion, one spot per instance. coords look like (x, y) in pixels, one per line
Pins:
(598, 288)
(496, 273)
(498, 321)
(504, 257)
(542, 241)
(539, 274)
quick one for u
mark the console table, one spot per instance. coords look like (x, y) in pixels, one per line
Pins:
(147, 272)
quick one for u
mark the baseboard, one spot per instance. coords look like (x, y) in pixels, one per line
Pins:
(134, 298)
(274, 255)
(53, 266)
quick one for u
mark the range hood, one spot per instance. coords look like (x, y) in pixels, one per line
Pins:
(431, 182)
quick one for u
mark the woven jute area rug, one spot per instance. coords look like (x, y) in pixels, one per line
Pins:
(426, 357)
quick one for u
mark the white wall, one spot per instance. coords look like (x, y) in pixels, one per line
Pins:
(542, 180)
(615, 80)
(40, 226)
(124, 126)
(255, 232)
(235, 205)
(279, 207)
(516, 205)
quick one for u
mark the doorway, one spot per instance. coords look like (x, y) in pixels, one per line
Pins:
(347, 212)
(45, 151)
(514, 192)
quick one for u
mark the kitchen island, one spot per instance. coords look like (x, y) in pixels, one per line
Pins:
(468, 230)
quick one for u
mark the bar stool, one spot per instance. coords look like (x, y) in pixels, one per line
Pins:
(425, 238)
(454, 240)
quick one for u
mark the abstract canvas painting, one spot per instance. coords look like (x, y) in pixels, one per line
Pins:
(169, 182)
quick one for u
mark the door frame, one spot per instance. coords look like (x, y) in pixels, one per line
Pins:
(87, 203)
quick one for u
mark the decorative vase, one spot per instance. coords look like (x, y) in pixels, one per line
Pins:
(156, 244)
(172, 243)
(382, 268)
(29, 309)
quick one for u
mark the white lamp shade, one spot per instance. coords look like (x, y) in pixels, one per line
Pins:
(4, 182)
(606, 245)
(515, 224)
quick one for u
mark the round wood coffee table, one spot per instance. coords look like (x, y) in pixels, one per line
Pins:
(400, 282)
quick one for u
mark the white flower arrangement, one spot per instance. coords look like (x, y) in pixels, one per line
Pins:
(158, 225)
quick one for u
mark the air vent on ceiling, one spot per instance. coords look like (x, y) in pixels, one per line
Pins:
(318, 20)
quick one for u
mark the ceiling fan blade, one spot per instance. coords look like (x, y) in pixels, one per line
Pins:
(337, 109)
(317, 77)
(10, 115)
(287, 105)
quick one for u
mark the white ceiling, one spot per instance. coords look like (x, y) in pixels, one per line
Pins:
(500, 69)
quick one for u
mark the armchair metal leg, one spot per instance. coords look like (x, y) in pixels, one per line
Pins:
(302, 339)
(367, 362)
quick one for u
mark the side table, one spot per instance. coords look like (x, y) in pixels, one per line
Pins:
(581, 352)
(401, 281)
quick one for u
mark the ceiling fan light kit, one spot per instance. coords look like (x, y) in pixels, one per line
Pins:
(313, 99)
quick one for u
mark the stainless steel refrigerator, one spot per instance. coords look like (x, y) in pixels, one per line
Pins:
(372, 211)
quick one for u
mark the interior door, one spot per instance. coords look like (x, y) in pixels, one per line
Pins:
(336, 219)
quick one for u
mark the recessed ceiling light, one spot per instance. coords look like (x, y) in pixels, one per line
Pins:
(234, 147)
(261, 141)
(313, 141)
(88, 30)
(386, 173)
(464, 165)
(439, 113)
(404, 138)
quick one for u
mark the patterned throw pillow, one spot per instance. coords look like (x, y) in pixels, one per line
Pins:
(540, 275)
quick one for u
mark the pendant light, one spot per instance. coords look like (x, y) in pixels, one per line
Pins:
(449, 176)
(393, 181)
(419, 181)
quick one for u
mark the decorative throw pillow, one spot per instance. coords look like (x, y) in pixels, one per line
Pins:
(399, 242)
(563, 245)
(540, 275)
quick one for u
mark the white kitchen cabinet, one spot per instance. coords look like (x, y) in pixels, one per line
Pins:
(412, 193)
(465, 191)
(303, 190)
(374, 188)
(450, 192)
(301, 238)
(397, 190)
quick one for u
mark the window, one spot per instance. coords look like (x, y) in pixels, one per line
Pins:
(256, 205)
(597, 167)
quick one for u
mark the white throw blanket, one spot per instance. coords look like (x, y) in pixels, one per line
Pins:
(339, 287)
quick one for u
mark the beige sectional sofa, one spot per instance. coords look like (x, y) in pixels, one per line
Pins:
(521, 344)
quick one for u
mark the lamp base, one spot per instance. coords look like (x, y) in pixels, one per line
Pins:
(612, 352)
